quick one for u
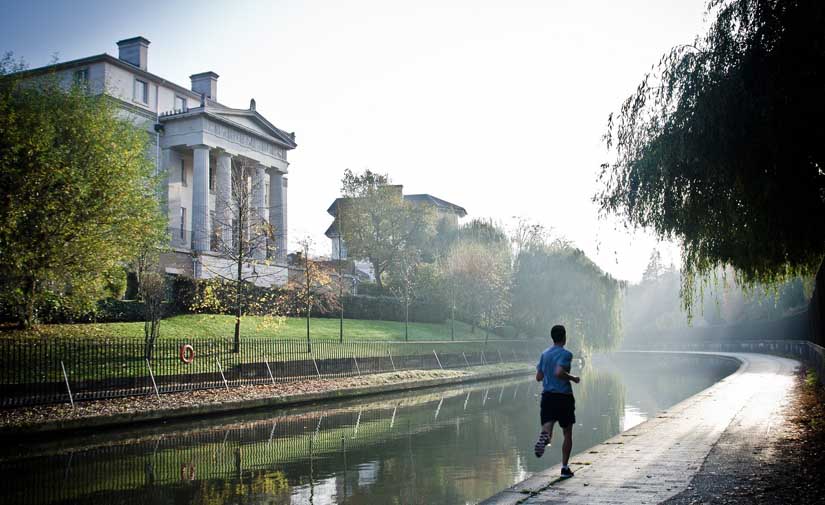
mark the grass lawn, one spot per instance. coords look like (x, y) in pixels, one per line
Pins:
(193, 326)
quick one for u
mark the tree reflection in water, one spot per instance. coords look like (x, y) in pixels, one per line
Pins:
(453, 445)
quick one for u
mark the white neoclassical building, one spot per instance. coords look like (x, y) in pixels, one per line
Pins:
(202, 147)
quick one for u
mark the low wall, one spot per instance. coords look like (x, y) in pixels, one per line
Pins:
(794, 327)
(809, 353)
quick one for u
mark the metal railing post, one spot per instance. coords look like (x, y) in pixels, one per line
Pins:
(220, 368)
(356, 365)
(266, 362)
(316, 365)
(272, 432)
(500, 359)
(482, 357)
(152, 376)
(357, 424)
(66, 378)
(465, 359)
(438, 360)
(391, 360)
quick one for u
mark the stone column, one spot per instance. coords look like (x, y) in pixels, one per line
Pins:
(277, 210)
(200, 199)
(258, 210)
(223, 199)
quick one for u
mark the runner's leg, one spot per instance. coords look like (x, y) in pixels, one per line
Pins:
(567, 445)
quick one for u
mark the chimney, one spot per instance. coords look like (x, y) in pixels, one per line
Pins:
(134, 51)
(205, 83)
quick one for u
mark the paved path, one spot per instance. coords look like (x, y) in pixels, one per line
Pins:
(657, 459)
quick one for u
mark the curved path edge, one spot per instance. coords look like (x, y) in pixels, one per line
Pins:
(212, 409)
(657, 459)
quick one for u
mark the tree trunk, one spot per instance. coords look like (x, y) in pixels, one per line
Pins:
(308, 296)
(452, 322)
(406, 320)
(27, 317)
(377, 272)
(236, 344)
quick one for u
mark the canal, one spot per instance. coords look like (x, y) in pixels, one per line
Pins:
(452, 445)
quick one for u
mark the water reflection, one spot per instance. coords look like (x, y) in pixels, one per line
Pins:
(453, 445)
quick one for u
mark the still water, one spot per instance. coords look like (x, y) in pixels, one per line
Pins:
(442, 446)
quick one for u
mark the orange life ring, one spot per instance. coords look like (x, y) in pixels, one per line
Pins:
(187, 353)
(187, 471)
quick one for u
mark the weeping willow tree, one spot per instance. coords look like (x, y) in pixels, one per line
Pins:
(558, 284)
(721, 146)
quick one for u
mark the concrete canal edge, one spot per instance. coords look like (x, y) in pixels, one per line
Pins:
(657, 459)
(200, 411)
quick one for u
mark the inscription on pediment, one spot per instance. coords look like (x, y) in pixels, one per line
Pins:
(245, 139)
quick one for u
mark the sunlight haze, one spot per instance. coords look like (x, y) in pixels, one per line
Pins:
(499, 110)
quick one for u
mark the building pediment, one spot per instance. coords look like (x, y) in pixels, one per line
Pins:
(239, 132)
(253, 121)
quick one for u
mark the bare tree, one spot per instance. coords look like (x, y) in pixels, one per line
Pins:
(404, 277)
(480, 274)
(314, 289)
(153, 294)
(242, 235)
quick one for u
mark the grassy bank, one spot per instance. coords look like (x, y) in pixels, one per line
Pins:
(194, 326)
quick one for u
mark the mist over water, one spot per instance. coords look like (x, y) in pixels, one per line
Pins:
(449, 445)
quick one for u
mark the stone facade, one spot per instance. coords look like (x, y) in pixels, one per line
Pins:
(204, 149)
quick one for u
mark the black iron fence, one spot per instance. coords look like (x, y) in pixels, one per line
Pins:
(53, 371)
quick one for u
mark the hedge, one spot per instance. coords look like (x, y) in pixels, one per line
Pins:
(183, 291)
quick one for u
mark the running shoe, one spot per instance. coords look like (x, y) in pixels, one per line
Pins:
(566, 473)
(542, 443)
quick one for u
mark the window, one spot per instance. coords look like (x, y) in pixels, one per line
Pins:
(81, 77)
(182, 174)
(183, 223)
(211, 178)
(180, 102)
(141, 91)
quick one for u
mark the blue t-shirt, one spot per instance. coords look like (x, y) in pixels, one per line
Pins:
(550, 359)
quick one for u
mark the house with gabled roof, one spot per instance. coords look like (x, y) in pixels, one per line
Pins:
(447, 217)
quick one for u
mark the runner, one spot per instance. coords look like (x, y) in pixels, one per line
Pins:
(557, 402)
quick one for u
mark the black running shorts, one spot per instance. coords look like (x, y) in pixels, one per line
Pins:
(558, 407)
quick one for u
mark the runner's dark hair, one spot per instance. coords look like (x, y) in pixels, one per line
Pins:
(558, 334)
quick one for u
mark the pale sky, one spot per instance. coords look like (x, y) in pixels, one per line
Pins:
(496, 106)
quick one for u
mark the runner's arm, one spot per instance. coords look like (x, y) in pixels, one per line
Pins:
(563, 374)
(563, 369)
(539, 373)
